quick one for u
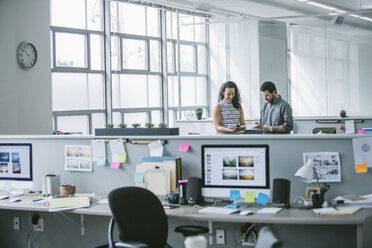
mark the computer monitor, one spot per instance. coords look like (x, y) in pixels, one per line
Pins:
(16, 166)
(235, 167)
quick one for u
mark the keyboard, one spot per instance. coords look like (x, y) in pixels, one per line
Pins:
(218, 210)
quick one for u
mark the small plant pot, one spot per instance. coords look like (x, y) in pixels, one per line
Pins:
(199, 116)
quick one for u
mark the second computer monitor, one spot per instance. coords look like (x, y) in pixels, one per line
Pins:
(235, 167)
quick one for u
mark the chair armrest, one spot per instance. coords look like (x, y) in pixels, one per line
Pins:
(130, 244)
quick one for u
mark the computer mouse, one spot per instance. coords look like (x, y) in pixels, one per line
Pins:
(246, 212)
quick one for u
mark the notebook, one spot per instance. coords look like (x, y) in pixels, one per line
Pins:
(218, 210)
(68, 203)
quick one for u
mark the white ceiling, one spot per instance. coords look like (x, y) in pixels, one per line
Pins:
(269, 8)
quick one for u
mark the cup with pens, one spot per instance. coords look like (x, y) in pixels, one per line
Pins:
(318, 198)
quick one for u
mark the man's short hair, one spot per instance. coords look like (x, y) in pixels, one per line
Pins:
(270, 86)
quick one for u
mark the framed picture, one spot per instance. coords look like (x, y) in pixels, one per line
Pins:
(310, 191)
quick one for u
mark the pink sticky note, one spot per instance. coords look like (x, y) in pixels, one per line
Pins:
(184, 147)
(115, 165)
(360, 131)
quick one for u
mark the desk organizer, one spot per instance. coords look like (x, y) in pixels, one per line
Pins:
(136, 131)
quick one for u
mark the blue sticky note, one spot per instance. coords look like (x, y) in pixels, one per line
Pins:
(234, 195)
(234, 206)
(138, 177)
(101, 160)
(262, 199)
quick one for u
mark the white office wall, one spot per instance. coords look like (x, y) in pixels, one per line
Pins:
(330, 69)
(217, 56)
(273, 56)
(25, 96)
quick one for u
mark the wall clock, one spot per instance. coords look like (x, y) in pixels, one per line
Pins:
(26, 55)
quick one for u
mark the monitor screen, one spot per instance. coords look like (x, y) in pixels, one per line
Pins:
(235, 167)
(16, 162)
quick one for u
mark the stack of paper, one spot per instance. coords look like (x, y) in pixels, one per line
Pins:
(269, 210)
(68, 202)
(354, 200)
(336, 211)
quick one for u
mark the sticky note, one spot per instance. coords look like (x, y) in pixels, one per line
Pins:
(184, 147)
(262, 199)
(249, 197)
(361, 168)
(101, 160)
(115, 165)
(360, 131)
(122, 157)
(234, 195)
(138, 177)
(233, 206)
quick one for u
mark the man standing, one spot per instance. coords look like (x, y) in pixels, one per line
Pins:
(276, 114)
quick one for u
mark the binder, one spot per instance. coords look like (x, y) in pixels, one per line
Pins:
(176, 160)
(156, 175)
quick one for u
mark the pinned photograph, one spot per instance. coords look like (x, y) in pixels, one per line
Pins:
(78, 158)
(326, 164)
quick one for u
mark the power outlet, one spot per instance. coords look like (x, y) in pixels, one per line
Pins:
(220, 236)
(17, 223)
(39, 227)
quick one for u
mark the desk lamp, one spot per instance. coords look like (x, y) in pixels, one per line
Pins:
(306, 172)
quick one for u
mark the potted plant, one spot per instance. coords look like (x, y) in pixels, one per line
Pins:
(149, 125)
(122, 125)
(199, 113)
(163, 125)
(135, 125)
(109, 125)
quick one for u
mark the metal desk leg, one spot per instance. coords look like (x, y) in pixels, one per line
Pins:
(359, 236)
(210, 232)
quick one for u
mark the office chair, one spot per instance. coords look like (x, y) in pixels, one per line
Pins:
(141, 219)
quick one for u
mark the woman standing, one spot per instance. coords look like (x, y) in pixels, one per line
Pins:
(228, 114)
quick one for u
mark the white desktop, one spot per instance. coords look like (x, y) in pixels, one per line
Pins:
(235, 167)
(16, 167)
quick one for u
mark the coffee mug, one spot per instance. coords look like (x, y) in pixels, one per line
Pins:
(317, 200)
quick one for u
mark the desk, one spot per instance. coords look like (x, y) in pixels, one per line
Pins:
(286, 216)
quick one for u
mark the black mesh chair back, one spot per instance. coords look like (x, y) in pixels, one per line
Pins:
(139, 216)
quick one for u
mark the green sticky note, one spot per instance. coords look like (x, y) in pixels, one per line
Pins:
(138, 177)
(101, 160)
(249, 197)
(122, 157)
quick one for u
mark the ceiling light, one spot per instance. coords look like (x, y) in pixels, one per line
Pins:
(320, 5)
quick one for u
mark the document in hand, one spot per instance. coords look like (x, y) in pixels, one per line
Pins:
(68, 203)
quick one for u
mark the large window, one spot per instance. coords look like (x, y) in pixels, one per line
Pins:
(78, 79)
(134, 85)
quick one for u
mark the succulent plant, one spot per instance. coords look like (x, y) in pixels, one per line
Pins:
(122, 125)
(198, 110)
(109, 125)
(149, 125)
(135, 125)
(163, 125)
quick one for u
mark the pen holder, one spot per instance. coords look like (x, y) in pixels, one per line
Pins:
(67, 189)
(317, 200)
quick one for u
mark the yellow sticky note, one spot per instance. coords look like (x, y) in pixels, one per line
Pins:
(122, 157)
(249, 197)
(361, 168)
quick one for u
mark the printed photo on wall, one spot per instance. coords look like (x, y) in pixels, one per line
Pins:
(326, 164)
(78, 158)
